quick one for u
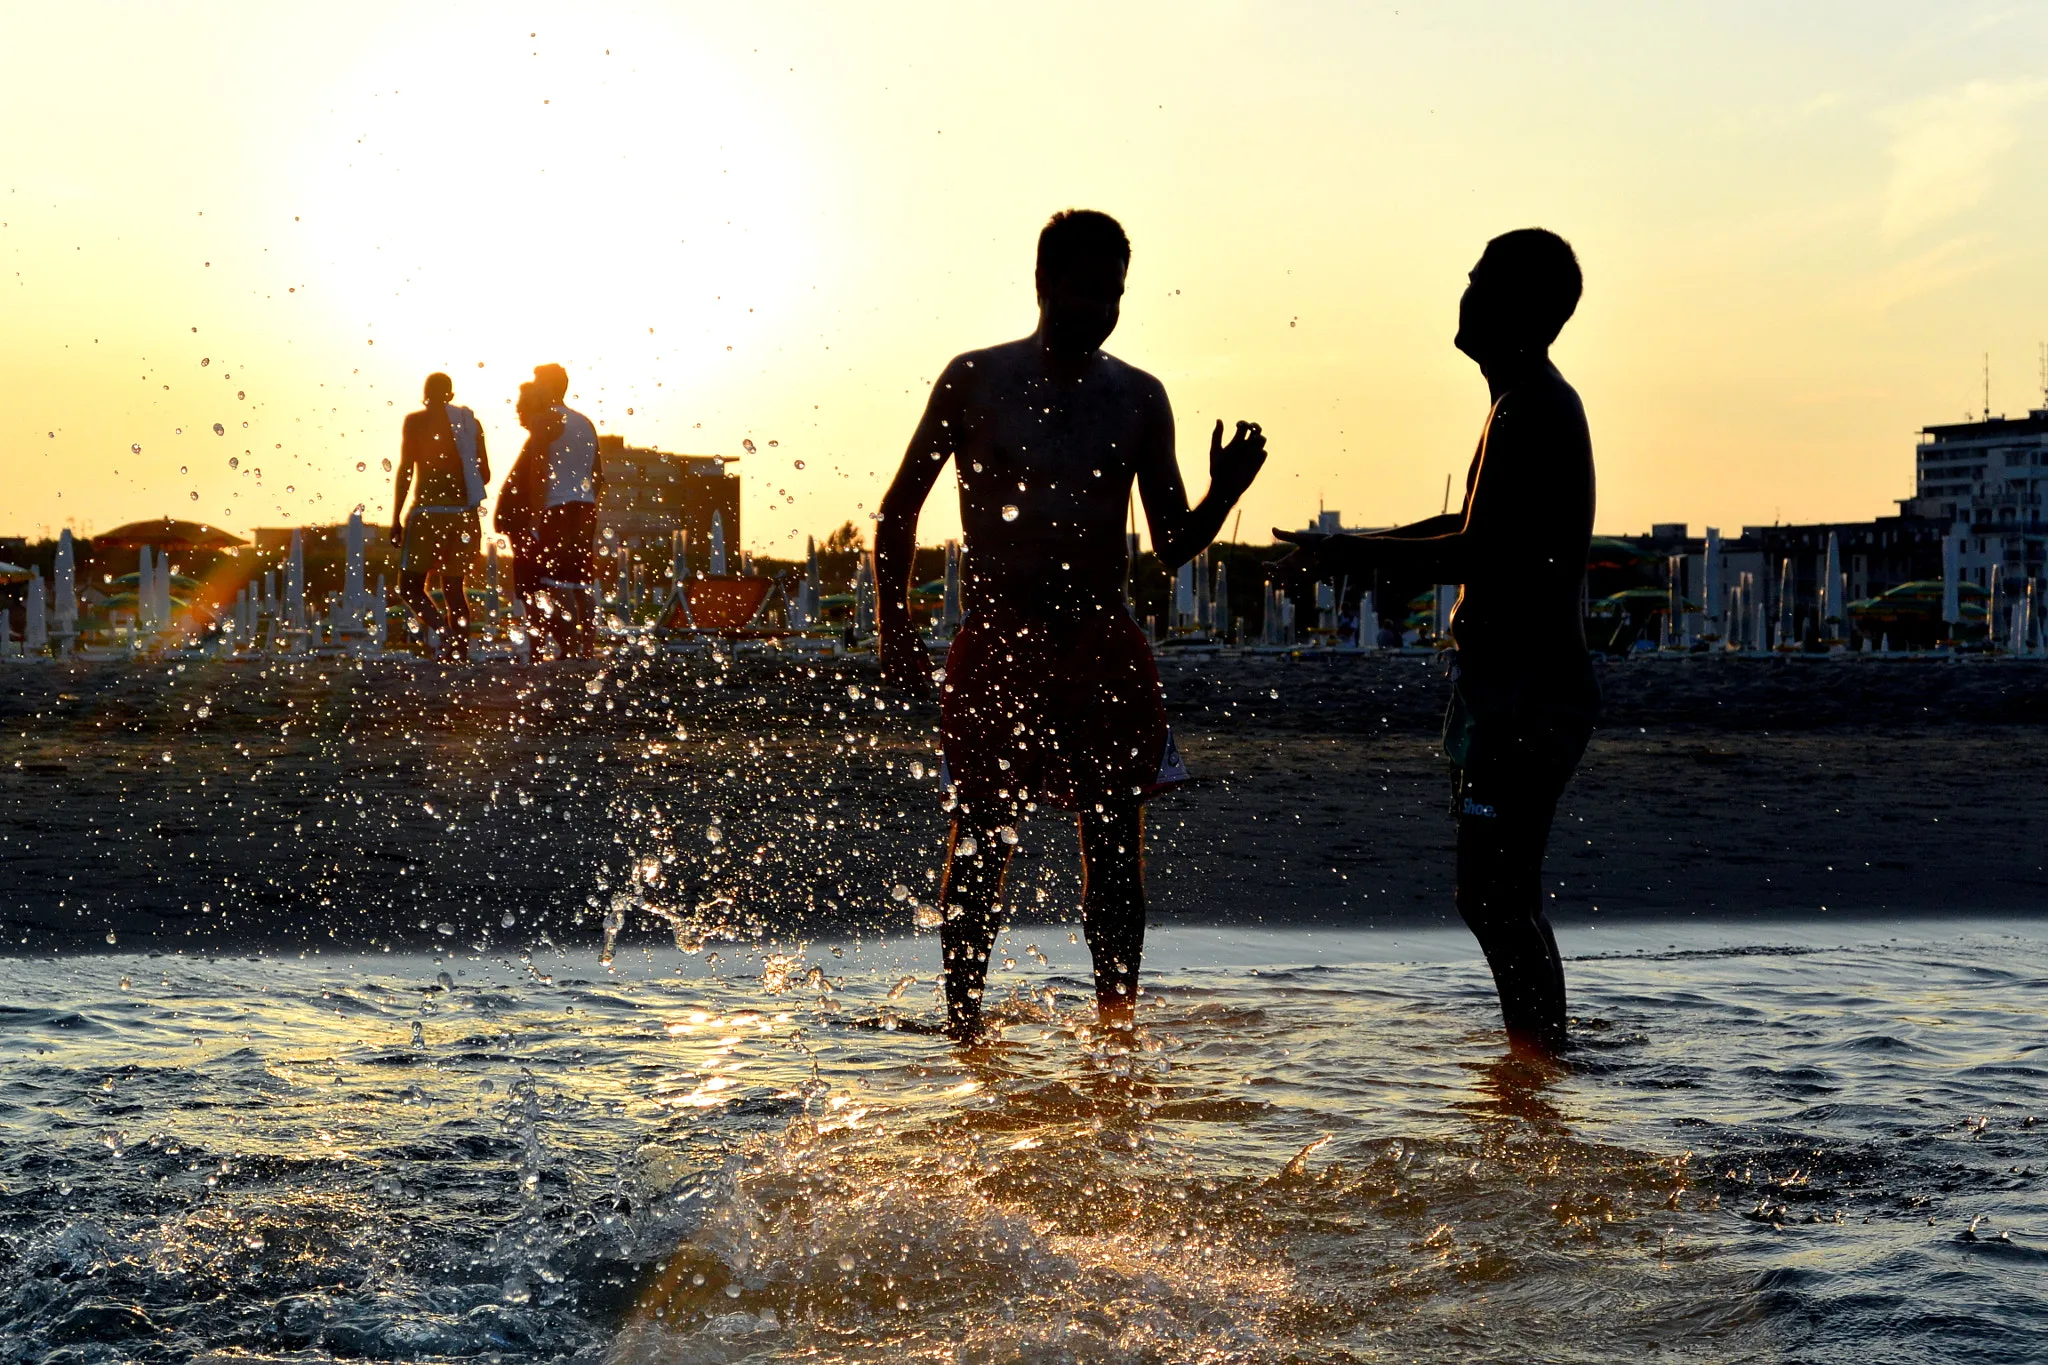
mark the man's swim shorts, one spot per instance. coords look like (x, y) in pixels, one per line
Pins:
(1064, 713)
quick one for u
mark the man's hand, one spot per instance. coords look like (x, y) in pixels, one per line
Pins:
(905, 665)
(397, 531)
(1307, 563)
(1233, 467)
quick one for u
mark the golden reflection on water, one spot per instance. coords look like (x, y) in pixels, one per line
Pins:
(1071, 1195)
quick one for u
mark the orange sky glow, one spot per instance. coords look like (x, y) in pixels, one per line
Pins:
(1803, 228)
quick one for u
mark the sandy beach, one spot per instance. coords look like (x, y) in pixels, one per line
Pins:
(329, 803)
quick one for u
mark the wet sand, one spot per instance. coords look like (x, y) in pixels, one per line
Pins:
(395, 803)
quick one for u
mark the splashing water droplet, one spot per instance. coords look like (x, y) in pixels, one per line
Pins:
(966, 848)
(928, 917)
(137, 447)
(204, 361)
(799, 463)
(916, 770)
(896, 991)
(110, 935)
(387, 466)
(241, 394)
(234, 462)
(714, 833)
(360, 466)
(419, 1034)
(899, 892)
(747, 445)
(181, 469)
(445, 929)
(219, 430)
(194, 495)
(1007, 833)
(444, 981)
(773, 444)
(177, 431)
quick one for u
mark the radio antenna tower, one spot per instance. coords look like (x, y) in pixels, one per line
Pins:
(1987, 386)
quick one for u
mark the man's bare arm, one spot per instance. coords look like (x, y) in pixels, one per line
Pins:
(404, 487)
(1180, 532)
(483, 459)
(903, 661)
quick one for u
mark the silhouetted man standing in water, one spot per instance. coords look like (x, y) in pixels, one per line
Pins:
(1523, 697)
(443, 447)
(1050, 693)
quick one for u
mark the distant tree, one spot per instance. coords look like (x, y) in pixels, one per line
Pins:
(847, 538)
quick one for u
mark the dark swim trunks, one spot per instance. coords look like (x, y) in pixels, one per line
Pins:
(1063, 713)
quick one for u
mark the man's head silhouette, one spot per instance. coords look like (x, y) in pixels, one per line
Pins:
(1082, 257)
(551, 383)
(440, 388)
(1522, 293)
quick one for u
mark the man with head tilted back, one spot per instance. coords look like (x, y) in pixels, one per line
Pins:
(1523, 695)
(1050, 696)
(442, 448)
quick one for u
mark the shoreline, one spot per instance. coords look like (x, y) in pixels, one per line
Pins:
(332, 803)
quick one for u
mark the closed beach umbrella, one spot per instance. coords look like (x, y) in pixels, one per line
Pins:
(64, 611)
(1838, 587)
(717, 565)
(1951, 578)
(1713, 593)
(295, 584)
(35, 626)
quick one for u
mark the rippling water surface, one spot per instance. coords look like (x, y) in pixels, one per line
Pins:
(1812, 1142)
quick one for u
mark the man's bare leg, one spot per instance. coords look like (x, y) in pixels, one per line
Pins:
(973, 885)
(1113, 906)
(1500, 897)
(426, 619)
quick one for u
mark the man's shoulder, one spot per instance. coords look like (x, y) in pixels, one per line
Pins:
(1126, 376)
(1545, 399)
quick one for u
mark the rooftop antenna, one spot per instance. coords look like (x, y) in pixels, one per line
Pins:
(1447, 495)
(1987, 386)
(2044, 374)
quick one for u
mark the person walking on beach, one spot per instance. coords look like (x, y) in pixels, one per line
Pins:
(565, 521)
(1523, 696)
(443, 449)
(518, 512)
(1050, 694)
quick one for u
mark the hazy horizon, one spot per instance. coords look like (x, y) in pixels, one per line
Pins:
(1802, 232)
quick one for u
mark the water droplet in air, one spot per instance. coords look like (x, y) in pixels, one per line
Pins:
(360, 466)
(177, 431)
(241, 394)
(928, 917)
(110, 935)
(773, 444)
(53, 436)
(966, 848)
(234, 462)
(1274, 693)
(387, 466)
(445, 929)
(181, 469)
(194, 495)
(916, 770)
(899, 892)
(629, 412)
(219, 430)
(137, 447)
(747, 445)
(444, 981)
(254, 1241)
(509, 920)
(125, 983)
(1009, 511)
(845, 1262)
(714, 833)
(419, 1034)
(1007, 834)
(799, 463)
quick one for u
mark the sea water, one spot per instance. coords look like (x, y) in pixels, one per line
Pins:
(1773, 1141)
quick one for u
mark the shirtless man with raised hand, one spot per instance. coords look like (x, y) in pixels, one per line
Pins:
(1050, 694)
(1524, 697)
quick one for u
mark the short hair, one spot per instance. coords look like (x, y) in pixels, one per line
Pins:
(551, 382)
(1075, 235)
(1539, 269)
(440, 388)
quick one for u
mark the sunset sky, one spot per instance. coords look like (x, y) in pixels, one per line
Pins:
(1803, 227)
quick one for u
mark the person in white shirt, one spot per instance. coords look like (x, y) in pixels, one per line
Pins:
(566, 520)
